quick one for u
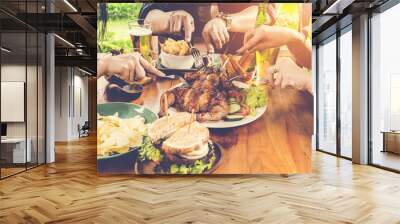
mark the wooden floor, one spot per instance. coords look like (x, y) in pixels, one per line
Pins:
(387, 159)
(70, 191)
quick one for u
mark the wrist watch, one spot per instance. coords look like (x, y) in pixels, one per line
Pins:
(226, 18)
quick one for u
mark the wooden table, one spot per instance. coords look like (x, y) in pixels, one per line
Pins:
(391, 141)
(279, 142)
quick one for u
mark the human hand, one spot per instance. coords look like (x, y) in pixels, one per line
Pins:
(215, 34)
(265, 36)
(181, 21)
(129, 67)
(286, 74)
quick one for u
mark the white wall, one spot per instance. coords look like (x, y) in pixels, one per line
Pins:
(61, 104)
(71, 102)
(34, 125)
(16, 73)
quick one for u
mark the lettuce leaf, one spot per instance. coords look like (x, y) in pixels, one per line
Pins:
(149, 152)
(256, 97)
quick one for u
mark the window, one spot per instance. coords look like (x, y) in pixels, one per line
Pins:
(327, 96)
(22, 78)
(346, 93)
(385, 89)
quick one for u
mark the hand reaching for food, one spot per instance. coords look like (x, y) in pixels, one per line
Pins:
(173, 22)
(129, 67)
(181, 21)
(264, 37)
(286, 74)
(215, 34)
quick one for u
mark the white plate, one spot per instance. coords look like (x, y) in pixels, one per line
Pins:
(230, 124)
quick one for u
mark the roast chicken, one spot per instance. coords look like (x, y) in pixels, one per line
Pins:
(207, 91)
(202, 96)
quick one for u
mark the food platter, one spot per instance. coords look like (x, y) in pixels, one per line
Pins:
(230, 124)
(144, 168)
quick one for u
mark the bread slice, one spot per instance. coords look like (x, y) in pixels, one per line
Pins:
(166, 126)
(188, 140)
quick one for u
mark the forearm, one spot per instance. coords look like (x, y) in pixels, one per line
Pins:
(300, 49)
(308, 86)
(101, 68)
(244, 20)
(158, 20)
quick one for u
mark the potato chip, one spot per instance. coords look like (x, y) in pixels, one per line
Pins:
(116, 135)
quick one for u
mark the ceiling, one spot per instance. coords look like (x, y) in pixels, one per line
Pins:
(74, 21)
(332, 15)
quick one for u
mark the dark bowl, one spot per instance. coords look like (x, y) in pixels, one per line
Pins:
(120, 91)
(118, 163)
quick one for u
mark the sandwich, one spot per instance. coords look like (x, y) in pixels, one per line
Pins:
(183, 143)
(187, 143)
(167, 125)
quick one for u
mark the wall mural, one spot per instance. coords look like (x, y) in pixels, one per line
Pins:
(204, 88)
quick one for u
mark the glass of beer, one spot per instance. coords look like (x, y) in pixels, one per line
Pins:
(140, 33)
(262, 65)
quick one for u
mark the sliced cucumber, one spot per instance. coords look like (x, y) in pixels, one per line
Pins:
(234, 117)
(233, 108)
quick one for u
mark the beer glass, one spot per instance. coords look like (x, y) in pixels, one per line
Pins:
(263, 57)
(141, 33)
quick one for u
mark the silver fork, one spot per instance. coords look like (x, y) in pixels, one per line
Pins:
(198, 60)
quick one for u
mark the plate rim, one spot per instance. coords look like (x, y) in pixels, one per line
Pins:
(209, 124)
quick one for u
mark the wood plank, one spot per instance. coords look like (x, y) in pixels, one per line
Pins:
(70, 191)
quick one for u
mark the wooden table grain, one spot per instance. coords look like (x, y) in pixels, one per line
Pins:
(279, 142)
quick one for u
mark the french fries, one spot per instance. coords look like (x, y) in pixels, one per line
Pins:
(246, 60)
(179, 48)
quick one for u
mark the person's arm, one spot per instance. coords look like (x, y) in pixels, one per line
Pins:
(165, 19)
(305, 27)
(216, 31)
(159, 20)
(301, 50)
(287, 74)
(101, 70)
(129, 67)
(245, 20)
(265, 37)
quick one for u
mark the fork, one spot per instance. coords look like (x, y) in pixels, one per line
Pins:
(198, 60)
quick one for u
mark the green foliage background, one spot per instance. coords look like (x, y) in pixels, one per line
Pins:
(117, 32)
